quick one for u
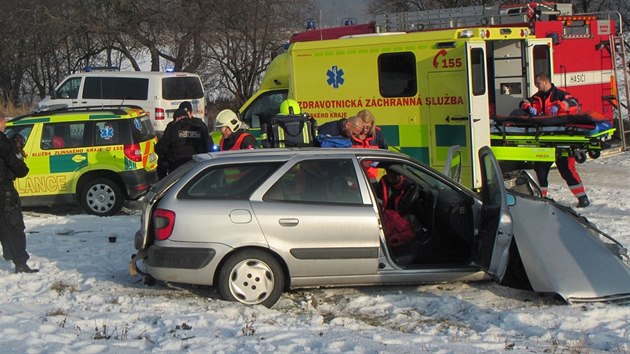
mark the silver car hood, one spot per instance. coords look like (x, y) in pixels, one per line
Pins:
(563, 253)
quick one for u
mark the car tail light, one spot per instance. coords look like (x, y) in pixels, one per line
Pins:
(133, 152)
(160, 114)
(163, 221)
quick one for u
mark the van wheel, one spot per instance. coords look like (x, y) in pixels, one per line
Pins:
(251, 277)
(101, 196)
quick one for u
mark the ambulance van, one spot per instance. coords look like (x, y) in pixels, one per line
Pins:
(96, 156)
(159, 93)
(428, 90)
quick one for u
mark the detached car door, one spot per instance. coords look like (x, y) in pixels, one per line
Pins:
(315, 217)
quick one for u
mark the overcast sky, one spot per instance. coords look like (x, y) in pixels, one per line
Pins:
(333, 12)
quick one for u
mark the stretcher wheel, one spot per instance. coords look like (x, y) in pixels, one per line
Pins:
(580, 156)
(594, 154)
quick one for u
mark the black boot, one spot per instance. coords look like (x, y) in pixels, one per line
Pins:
(583, 202)
(23, 268)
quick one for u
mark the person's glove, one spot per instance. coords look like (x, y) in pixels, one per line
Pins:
(554, 110)
(532, 111)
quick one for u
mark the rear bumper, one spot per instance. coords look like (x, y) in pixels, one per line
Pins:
(138, 182)
(179, 258)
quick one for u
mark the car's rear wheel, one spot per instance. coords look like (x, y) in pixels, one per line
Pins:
(101, 196)
(251, 277)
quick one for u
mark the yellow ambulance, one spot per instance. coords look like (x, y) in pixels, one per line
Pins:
(98, 156)
(428, 90)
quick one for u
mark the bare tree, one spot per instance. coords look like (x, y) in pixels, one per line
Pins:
(243, 38)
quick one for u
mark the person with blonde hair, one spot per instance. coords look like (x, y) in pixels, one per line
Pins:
(371, 135)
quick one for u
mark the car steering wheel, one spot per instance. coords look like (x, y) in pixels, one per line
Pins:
(409, 199)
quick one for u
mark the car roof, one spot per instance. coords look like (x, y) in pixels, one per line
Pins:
(134, 74)
(80, 113)
(287, 153)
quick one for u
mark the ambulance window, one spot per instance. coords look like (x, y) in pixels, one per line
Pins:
(541, 59)
(478, 71)
(263, 108)
(62, 135)
(108, 133)
(397, 74)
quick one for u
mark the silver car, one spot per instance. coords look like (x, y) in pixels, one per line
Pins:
(255, 223)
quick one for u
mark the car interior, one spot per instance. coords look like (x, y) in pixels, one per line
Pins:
(439, 215)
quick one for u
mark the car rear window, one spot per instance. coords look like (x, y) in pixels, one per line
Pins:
(141, 129)
(181, 87)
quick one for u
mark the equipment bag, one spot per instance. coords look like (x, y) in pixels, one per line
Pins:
(398, 230)
(289, 131)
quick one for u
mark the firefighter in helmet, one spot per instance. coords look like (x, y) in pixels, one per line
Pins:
(233, 133)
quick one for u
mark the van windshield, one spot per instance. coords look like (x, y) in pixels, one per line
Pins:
(180, 88)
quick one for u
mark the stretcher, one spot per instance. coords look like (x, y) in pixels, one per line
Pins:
(576, 135)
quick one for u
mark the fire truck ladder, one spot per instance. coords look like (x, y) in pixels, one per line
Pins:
(469, 16)
(621, 76)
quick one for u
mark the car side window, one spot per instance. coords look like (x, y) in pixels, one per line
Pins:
(317, 181)
(62, 135)
(107, 133)
(236, 181)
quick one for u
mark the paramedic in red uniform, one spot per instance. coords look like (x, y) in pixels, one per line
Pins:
(551, 101)
(234, 137)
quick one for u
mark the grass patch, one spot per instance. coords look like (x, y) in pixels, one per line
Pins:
(61, 287)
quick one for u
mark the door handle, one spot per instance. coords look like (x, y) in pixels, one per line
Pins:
(78, 158)
(288, 222)
(448, 118)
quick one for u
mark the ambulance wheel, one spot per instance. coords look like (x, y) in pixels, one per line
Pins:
(594, 154)
(101, 196)
(580, 156)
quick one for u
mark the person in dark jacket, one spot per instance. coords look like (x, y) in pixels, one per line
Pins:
(182, 139)
(347, 128)
(12, 236)
(551, 101)
(234, 137)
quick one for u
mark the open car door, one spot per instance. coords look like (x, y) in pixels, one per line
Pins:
(492, 246)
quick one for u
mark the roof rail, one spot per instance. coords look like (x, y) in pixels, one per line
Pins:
(62, 108)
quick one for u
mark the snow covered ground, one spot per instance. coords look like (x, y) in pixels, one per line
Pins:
(84, 300)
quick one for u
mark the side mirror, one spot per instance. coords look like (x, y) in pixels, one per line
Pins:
(64, 95)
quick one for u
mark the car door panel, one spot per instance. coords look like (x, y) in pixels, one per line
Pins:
(324, 239)
(561, 255)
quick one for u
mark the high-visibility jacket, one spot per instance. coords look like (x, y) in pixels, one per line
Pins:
(543, 101)
(239, 140)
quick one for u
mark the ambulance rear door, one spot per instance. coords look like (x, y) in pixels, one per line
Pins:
(478, 104)
(539, 60)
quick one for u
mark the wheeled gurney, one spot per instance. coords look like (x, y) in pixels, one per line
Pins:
(570, 135)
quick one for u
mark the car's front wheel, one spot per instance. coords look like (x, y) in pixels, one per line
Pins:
(101, 196)
(251, 277)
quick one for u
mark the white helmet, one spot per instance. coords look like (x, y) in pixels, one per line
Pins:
(227, 118)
